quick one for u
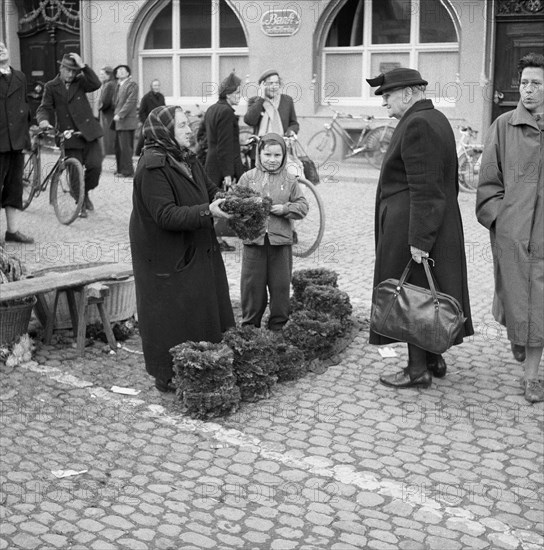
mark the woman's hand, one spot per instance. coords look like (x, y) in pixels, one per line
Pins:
(417, 254)
(277, 209)
(216, 212)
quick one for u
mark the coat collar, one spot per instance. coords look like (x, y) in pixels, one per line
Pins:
(421, 105)
(521, 116)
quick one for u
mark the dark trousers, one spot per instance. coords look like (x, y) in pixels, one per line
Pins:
(91, 158)
(124, 149)
(266, 267)
(11, 179)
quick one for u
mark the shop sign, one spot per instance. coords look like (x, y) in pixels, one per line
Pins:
(280, 22)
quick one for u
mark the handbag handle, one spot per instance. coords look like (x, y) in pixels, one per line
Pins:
(430, 280)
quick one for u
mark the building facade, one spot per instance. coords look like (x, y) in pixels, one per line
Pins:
(323, 49)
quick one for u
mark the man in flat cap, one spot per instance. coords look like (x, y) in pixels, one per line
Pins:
(270, 110)
(417, 213)
(65, 101)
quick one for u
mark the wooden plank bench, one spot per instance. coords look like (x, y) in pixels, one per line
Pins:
(83, 287)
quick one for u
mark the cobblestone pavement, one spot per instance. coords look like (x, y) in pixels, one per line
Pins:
(333, 461)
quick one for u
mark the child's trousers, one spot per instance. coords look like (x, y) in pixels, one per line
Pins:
(266, 266)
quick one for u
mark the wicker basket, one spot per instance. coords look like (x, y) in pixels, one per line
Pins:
(14, 319)
(120, 304)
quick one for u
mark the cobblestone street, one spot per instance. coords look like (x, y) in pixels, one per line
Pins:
(334, 461)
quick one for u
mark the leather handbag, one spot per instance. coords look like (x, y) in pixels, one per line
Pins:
(408, 313)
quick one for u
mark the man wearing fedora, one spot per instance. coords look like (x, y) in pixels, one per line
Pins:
(417, 213)
(125, 119)
(65, 101)
(14, 119)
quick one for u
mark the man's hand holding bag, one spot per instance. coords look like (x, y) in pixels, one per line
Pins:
(408, 313)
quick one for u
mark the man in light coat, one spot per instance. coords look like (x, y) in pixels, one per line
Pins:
(125, 119)
(510, 204)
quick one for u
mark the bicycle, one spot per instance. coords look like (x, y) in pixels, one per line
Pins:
(469, 155)
(373, 141)
(308, 232)
(67, 190)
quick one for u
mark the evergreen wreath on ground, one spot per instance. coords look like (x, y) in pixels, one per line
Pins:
(249, 211)
(206, 384)
(255, 361)
(17, 352)
(304, 277)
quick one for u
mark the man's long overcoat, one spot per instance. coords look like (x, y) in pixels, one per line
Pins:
(509, 204)
(182, 291)
(416, 205)
(71, 107)
(14, 115)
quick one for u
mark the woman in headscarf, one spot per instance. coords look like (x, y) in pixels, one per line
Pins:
(181, 286)
(223, 162)
(106, 108)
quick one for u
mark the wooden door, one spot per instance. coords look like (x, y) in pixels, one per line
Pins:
(519, 30)
(41, 52)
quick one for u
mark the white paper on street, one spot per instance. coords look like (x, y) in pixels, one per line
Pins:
(67, 473)
(387, 352)
(124, 391)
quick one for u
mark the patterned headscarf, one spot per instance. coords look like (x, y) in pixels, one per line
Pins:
(159, 132)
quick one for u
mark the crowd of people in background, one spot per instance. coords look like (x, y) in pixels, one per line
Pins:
(178, 267)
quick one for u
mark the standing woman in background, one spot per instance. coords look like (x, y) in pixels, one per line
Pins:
(106, 107)
(223, 162)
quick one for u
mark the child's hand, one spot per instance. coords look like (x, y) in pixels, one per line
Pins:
(277, 209)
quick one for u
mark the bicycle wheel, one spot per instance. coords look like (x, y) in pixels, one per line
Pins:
(309, 230)
(68, 191)
(377, 142)
(468, 181)
(31, 178)
(321, 147)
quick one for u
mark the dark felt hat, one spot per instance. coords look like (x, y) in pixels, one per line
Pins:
(397, 78)
(68, 62)
(118, 67)
(229, 85)
(268, 73)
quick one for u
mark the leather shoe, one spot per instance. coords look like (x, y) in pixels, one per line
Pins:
(226, 247)
(83, 212)
(436, 365)
(517, 351)
(87, 203)
(402, 380)
(165, 386)
(18, 237)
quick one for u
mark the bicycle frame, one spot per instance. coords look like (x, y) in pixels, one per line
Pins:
(343, 134)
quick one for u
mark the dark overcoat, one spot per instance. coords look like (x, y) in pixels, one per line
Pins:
(223, 135)
(416, 205)
(14, 114)
(126, 105)
(182, 290)
(106, 108)
(286, 110)
(71, 107)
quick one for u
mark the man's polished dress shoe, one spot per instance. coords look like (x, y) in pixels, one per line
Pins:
(518, 352)
(436, 365)
(18, 237)
(403, 380)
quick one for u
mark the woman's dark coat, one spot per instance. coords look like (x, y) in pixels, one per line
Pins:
(181, 286)
(223, 135)
(416, 205)
(106, 109)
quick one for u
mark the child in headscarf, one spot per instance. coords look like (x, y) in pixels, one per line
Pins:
(267, 261)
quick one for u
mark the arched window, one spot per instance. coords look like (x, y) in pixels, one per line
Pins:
(368, 37)
(191, 46)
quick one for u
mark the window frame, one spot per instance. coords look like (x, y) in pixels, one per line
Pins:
(413, 48)
(213, 54)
